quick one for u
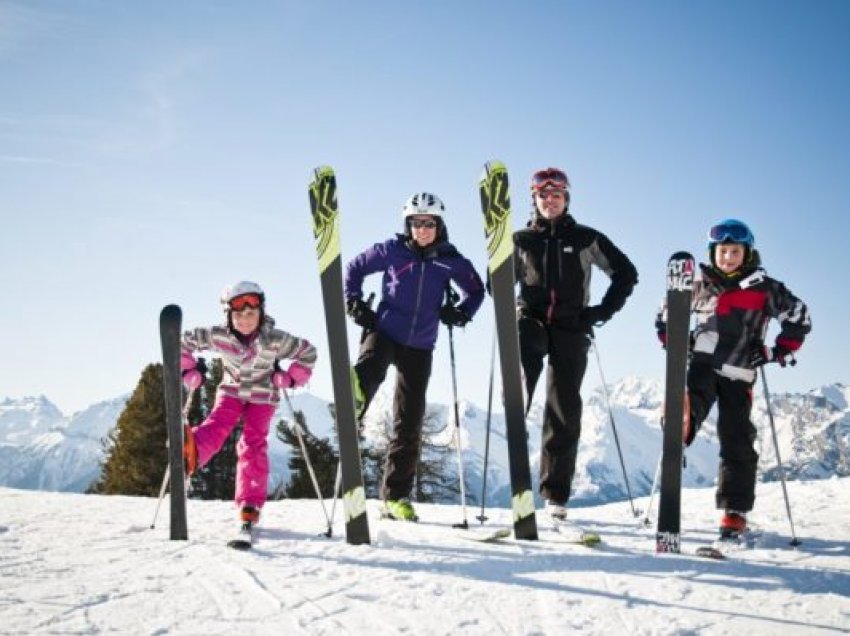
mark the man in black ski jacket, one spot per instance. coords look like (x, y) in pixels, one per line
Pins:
(553, 257)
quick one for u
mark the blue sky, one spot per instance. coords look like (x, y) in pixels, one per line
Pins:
(154, 152)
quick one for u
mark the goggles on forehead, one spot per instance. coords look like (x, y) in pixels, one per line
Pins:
(730, 231)
(246, 301)
(549, 178)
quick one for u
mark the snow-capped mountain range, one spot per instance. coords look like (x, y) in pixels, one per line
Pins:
(42, 449)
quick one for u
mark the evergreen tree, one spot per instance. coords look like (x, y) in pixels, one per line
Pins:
(135, 450)
(322, 457)
(217, 479)
(436, 473)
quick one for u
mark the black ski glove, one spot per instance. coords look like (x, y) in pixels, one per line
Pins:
(761, 355)
(362, 314)
(595, 316)
(451, 316)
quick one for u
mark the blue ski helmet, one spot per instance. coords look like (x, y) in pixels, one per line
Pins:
(731, 231)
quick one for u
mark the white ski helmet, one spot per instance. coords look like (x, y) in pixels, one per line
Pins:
(424, 203)
(241, 288)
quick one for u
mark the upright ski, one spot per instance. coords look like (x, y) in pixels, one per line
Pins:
(323, 206)
(170, 320)
(496, 206)
(680, 282)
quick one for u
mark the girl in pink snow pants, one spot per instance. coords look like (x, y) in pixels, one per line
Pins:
(251, 350)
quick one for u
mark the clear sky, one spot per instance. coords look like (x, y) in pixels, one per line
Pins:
(152, 152)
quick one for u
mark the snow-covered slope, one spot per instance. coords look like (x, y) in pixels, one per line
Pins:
(86, 564)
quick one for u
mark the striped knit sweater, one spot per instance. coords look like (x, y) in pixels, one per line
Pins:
(248, 368)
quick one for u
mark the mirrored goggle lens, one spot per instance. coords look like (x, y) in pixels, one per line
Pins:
(730, 232)
(417, 223)
(550, 192)
(549, 179)
(249, 301)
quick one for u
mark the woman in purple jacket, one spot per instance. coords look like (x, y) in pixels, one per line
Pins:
(417, 267)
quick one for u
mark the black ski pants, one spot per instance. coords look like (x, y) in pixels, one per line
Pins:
(567, 362)
(736, 478)
(413, 371)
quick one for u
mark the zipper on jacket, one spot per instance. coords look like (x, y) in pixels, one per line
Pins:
(418, 301)
(553, 296)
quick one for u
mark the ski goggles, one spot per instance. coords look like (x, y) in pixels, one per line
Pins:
(549, 178)
(246, 301)
(426, 223)
(730, 232)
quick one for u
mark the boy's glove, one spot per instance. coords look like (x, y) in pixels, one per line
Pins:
(362, 314)
(296, 376)
(761, 355)
(451, 316)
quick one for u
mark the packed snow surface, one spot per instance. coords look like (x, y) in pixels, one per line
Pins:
(82, 564)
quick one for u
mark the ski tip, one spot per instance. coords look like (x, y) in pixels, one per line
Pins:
(492, 166)
(323, 171)
(171, 311)
(239, 544)
(488, 537)
(709, 552)
(681, 256)
(590, 539)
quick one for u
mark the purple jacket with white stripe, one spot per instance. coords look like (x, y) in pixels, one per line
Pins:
(413, 287)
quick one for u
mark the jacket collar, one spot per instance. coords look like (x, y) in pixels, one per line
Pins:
(556, 227)
(747, 276)
(435, 249)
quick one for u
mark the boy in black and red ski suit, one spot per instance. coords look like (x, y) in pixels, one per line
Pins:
(734, 301)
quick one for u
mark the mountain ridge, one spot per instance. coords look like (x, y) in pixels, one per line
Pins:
(42, 449)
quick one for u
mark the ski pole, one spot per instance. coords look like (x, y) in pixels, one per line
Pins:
(464, 524)
(167, 474)
(636, 513)
(794, 540)
(296, 424)
(337, 486)
(482, 517)
(652, 490)
(161, 494)
(451, 298)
